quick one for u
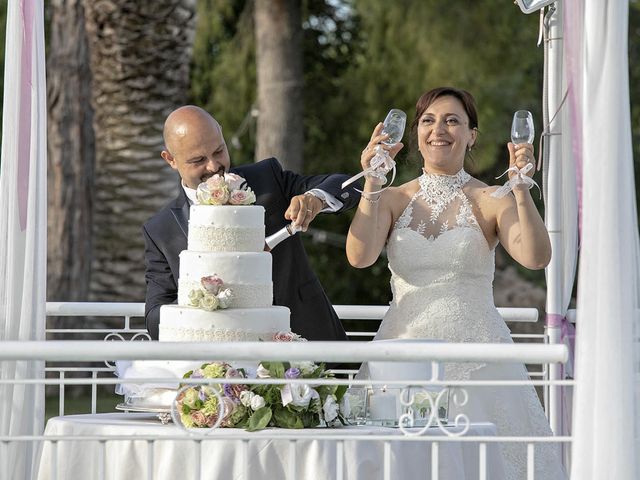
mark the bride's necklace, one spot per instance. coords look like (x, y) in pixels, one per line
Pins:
(439, 190)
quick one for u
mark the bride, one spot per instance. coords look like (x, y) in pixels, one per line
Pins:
(441, 230)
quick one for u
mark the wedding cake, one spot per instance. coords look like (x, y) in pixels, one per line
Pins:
(225, 289)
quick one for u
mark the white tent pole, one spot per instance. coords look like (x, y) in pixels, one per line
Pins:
(553, 214)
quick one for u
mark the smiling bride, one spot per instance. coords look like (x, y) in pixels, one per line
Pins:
(441, 230)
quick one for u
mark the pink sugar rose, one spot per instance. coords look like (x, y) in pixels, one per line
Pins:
(215, 181)
(242, 197)
(287, 337)
(219, 196)
(238, 197)
(234, 181)
(215, 190)
(212, 284)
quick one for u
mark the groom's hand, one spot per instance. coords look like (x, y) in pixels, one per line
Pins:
(303, 209)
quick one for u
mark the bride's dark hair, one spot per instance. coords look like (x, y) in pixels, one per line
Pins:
(427, 98)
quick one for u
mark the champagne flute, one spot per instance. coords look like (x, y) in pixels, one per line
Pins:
(393, 126)
(522, 130)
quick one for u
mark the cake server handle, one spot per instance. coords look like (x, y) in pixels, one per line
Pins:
(285, 232)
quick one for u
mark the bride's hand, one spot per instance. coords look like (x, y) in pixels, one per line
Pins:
(370, 150)
(521, 155)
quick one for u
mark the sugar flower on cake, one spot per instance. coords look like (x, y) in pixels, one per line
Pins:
(212, 295)
(227, 189)
(288, 337)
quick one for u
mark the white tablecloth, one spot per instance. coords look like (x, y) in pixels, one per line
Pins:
(267, 455)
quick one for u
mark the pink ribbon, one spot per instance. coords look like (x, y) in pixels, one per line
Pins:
(567, 336)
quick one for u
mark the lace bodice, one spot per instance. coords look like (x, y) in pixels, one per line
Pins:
(439, 205)
(442, 270)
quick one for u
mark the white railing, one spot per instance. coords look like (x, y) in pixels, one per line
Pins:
(123, 314)
(62, 449)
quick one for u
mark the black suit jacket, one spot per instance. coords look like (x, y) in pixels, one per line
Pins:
(294, 283)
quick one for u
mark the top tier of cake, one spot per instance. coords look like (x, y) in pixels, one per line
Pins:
(226, 228)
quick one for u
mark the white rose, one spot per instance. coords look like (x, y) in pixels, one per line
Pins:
(330, 409)
(209, 302)
(263, 372)
(245, 397)
(302, 394)
(195, 296)
(203, 194)
(257, 402)
(307, 368)
(224, 298)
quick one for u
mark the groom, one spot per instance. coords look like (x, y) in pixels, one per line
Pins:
(195, 147)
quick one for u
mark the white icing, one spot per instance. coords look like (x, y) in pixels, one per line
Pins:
(226, 228)
(247, 274)
(178, 323)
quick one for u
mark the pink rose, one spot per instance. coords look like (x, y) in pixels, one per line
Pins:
(211, 420)
(219, 196)
(242, 197)
(229, 407)
(233, 373)
(218, 190)
(287, 337)
(199, 418)
(234, 181)
(215, 181)
(212, 284)
(238, 197)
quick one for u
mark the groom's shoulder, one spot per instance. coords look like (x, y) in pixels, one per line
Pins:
(159, 219)
(261, 166)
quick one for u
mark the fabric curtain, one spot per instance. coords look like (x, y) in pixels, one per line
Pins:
(23, 227)
(606, 402)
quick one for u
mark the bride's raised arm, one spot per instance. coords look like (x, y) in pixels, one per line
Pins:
(371, 224)
(520, 227)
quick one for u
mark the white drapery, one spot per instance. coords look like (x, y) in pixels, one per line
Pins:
(606, 403)
(23, 226)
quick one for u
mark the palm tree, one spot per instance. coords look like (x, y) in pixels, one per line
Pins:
(278, 27)
(71, 154)
(140, 54)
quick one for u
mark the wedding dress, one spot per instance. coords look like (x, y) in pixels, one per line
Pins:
(441, 278)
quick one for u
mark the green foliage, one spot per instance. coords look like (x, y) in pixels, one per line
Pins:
(397, 51)
(259, 420)
(223, 72)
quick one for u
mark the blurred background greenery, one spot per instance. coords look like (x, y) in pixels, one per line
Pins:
(360, 58)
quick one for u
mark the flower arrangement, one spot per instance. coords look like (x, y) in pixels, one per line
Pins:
(212, 295)
(227, 189)
(258, 406)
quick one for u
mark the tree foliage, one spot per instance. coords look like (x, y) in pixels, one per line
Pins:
(363, 57)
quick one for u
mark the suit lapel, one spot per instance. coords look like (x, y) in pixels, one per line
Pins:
(181, 211)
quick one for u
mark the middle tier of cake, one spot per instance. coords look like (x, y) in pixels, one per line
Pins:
(246, 274)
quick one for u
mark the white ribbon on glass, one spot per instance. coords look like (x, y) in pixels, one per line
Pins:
(518, 179)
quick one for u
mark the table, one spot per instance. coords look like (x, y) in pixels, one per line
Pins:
(266, 455)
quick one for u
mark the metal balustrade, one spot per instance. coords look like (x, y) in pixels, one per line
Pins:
(341, 442)
(122, 314)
